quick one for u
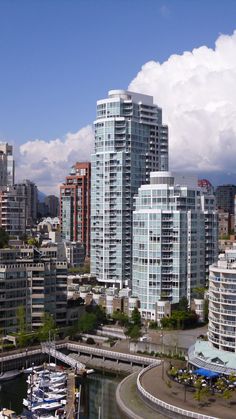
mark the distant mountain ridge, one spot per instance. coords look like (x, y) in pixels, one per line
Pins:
(41, 196)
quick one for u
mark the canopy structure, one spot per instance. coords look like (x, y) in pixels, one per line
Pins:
(206, 373)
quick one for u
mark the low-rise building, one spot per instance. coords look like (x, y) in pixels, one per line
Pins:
(163, 309)
(35, 279)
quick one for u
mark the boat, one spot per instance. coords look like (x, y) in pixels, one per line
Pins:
(36, 388)
(89, 371)
(47, 407)
(46, 392)
(32, 369)
(9, 375)
(46, 380)
(47, 397)
(7, 413)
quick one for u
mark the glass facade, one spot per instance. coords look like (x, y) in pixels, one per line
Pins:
(130, 142)
(169, 241)
(222, 302)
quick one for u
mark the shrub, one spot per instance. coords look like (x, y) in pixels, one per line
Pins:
(90, 341)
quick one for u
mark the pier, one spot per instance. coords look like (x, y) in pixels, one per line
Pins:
(24, 357)
(50, 349)
(70, 398)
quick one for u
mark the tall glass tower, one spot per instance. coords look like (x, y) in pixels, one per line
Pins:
(174, 240)
(130, 142)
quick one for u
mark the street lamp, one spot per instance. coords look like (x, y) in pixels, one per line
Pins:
(162, 339)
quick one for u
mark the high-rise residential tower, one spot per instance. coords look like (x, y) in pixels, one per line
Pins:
(225, 197)
(130, 142)
(52, 204)
(7, 165)
(75, 205)
(31, 196)
(13, 209)
(174, 240)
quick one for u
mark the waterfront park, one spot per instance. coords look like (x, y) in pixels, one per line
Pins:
(167, 383)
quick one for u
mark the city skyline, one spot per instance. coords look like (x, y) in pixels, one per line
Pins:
(51, 80)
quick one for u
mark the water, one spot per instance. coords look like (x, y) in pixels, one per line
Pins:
(98, 393)
(12, 393)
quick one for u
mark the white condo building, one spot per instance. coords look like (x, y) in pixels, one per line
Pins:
(172, 225)
(130, 142)
(219, 352)
(222, 302)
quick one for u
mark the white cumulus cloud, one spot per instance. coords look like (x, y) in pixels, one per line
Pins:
(47, 162)
(197, 91)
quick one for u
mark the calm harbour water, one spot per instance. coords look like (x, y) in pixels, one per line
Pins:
(98, 395)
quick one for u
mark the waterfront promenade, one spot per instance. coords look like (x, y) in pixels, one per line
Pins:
(160, 387)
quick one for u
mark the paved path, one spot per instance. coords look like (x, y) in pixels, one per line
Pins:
(182, 338)
(70, 399)
(152, 381)
(130, 398)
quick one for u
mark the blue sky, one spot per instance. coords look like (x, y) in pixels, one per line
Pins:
(59, 56)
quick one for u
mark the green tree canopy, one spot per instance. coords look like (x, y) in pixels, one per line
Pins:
(4, 238)
(48, 327)
(32, 241)
(121, 318)
(21, 326)
(87, 322)
(134, 331)
(183, 304)
(180, 320)
(136, 317)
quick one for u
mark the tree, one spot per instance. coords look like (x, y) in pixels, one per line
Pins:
(134, 331)
(201, 391)
(199, 292)
(21, 326)
(99, 312)
(227, 394)
(32, 241)
(90, 341)
(183, 304)
(48, 327)
(153, 325)
(180, 320)
(136, 317)
(121, 318)
(21, 321)
(87, 322)
(4, 238)
(220, 385)
(84, 269)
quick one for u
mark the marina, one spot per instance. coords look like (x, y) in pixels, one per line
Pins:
(62, 391)
(97, 395)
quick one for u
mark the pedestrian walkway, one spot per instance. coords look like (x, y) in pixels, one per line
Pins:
(50, 349)
(70, 398)
(128, 397)
(173, 393)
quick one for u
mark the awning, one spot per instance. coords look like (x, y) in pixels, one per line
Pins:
(206, 373)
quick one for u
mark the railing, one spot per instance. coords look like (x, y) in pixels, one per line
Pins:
(50, 349)
(164, 405)
(111, 354)
(141, 360)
